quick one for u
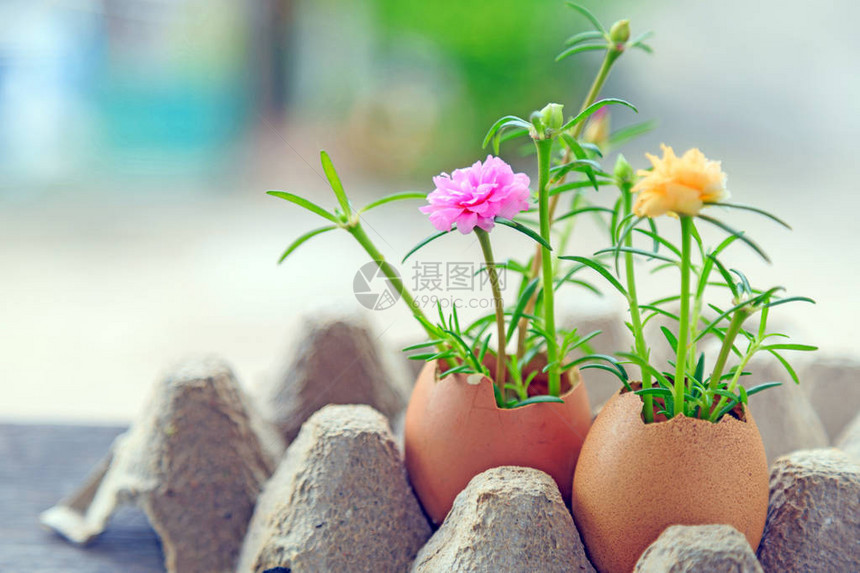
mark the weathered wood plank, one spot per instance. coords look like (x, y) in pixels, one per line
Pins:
(39, 465)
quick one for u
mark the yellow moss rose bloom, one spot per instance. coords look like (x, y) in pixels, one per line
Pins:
(679, 185)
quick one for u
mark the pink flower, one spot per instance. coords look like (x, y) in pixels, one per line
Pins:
(476, 195)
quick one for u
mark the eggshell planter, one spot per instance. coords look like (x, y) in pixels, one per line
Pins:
(634, 480)
(454, 431)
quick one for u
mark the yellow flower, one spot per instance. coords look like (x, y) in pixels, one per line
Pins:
(679, 185)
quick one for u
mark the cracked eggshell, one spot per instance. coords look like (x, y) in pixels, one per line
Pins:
(634, 480)
(454, 431)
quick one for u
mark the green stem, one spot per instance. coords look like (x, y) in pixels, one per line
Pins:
(728, 341)
(357, 231)
(484, 239)
(544, 152)
(696, 313)
(684, 326)
(639, 345)
(612, 54)
(753, 348)
(563, 239)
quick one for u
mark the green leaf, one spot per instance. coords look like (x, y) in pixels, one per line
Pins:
(594, 107)
(583, 165)
(770, 216)
(760, 387)
(786, 365)
(302, 202)
(659, 240)
(744, 282)
(730, 283)
(642, 37)
(659, 392)
(665, 300)
(448, 353)
(726, 394)
(298, 242)
(635, 251)
(700, 369)
(605, 357)
(797, 347)
(583, 36)
(522, 302)
(670, 337)
(506, 121)
(511, 134)
(790, 299)
(429, 239)
(708, 265)
(427, 356)
(482, 351)
(607, 369)
(589, 16)
(468, 351)
(575, 212)
(638, 361)
(625, 134)
(731, 231)
(537, 400)
(582, 341)
(464, 368)
(477, 335)
(597, 267)
(626, 226)
(711, 325)
(334, 181)
(580, 153)
(480, 321)
(577, 185)
(659, 311)
(394, 197)
(455, 319)
(524, 230)
(613, 221)
(579, 49)
(652, 225)
(584, 284)
(513, 265)
(591, 147)
(422, 345)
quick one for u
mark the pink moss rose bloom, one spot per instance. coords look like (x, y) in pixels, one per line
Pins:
(476, 195)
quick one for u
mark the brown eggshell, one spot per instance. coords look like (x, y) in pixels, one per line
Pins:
(634, 479)
(454, 431)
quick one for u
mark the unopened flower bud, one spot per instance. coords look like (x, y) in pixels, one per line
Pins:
(623, 170)
(547, 123)
(552, 116)
(620, 32)
(598, 129)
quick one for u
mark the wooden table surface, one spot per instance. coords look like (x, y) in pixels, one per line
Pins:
(39, 465)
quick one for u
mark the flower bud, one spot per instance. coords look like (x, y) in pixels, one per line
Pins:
(552, 116)
(620, 32)
(598, 129)
(624, 171)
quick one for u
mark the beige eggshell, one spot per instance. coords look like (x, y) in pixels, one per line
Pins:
(454, 431)
(634, 480)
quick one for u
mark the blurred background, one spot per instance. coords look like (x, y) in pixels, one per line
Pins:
(137, 139)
